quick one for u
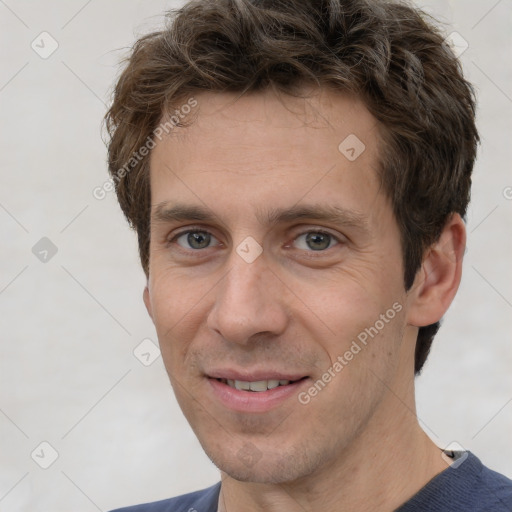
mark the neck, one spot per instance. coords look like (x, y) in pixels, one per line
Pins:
(388, 463)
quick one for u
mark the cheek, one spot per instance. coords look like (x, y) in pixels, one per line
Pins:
(175, 296)
(344, 304)
(363, 364)
(177, 306)
(361, 323)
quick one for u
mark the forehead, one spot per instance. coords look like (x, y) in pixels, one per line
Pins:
(268, 120)
(263, 148)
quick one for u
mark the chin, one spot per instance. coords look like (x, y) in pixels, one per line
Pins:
(271, 468)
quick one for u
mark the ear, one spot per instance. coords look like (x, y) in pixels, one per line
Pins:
(147, 301)
(439, 277)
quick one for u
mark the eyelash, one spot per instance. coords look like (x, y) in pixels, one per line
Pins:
(198, 230)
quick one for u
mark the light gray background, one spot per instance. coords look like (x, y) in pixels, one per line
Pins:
(69, 326)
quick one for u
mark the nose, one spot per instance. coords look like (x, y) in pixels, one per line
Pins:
(248, 302)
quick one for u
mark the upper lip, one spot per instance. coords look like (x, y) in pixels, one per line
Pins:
(254, 375)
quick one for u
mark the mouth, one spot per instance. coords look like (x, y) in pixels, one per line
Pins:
(258, 386)
(257, 393)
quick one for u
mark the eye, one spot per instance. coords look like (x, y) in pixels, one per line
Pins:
(316, 241)
(194, 239)
(198, 239)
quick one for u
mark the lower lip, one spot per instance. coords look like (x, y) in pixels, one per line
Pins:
(254, 401)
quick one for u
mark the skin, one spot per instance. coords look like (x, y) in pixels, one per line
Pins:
(357, 444)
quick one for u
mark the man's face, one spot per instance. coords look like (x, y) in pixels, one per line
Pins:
(264, 287)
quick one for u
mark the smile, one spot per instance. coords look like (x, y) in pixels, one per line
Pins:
(258, 395)
(258, 385)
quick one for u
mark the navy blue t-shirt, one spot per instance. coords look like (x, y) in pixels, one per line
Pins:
(468, 487)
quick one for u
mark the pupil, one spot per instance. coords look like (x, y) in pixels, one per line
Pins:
(198, 240)
(318, 241)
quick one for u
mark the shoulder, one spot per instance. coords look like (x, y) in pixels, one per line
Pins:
(466, 486)
(204, 500)
(498, 487)
(486, 489)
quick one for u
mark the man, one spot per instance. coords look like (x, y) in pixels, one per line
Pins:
(298, 173)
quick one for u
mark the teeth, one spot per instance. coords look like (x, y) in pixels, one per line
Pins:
(240, 384)
(273, 384)
(259, 385)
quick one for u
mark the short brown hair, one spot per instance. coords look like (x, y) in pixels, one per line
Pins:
(388, 53)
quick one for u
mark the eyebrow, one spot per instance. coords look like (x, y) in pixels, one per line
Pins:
(165, 213)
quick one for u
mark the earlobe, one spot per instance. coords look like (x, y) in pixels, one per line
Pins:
(147, 301)
(438, 279)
